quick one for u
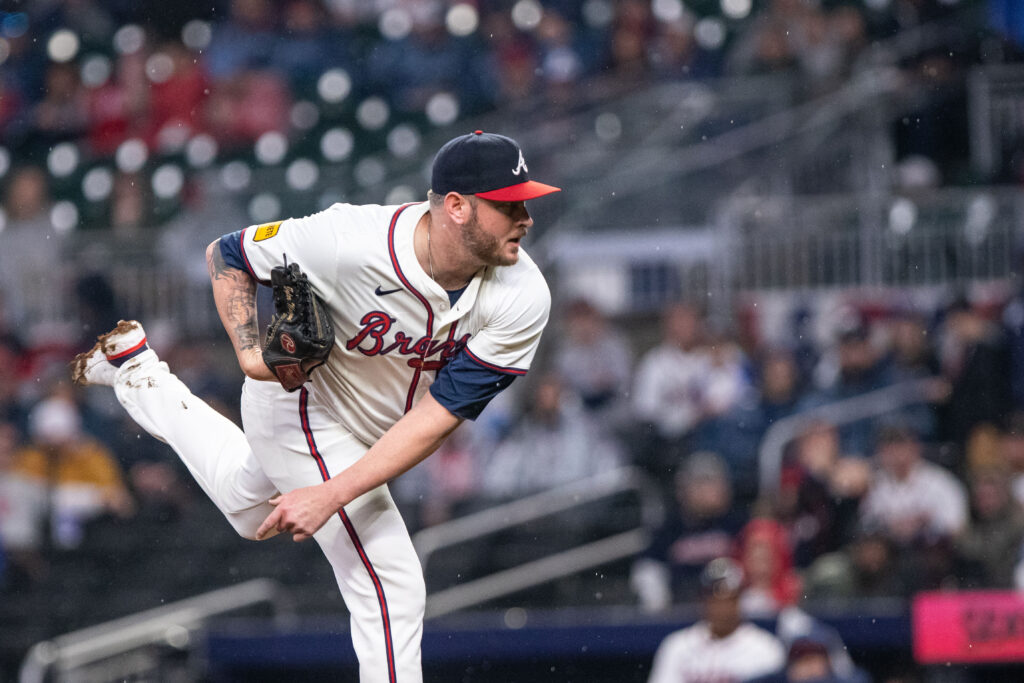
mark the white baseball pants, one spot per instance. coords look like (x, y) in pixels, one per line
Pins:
(287, 444)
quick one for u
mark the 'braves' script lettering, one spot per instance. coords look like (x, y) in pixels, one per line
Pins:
(370, 341)
(375, 326)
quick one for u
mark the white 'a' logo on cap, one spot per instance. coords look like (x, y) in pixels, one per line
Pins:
(521, 166)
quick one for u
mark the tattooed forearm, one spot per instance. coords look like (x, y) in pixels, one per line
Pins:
(241, 309)
(234, 292)
(215, 261)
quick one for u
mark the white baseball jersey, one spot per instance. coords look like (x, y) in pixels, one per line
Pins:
(691, 655)
(394, 326)
(398, 334)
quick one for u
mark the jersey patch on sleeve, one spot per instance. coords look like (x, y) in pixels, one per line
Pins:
(266, 231)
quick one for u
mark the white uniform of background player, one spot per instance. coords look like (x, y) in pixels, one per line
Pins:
(721, 647)
(404, 345)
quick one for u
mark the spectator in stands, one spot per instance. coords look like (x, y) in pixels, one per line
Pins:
(765, 47)
(309, 47)
(12, 107)
(737, 434)
(976, 364)
(428, 60)
(822, 491)
(911, 355)
(669, 390)
(632, 30)
(447, 484)
(722, 646)
(61, 115)
(513, 62)
(868, 567)
(779, 386)
(1013, 324)
(561, 63)
(79, 474)
(24, 70)
(675, 53)
(803, 340)
(727, 377)
(990, 547)
(825, 43)
(27, 197)
(155, 476)
(763, 551)
(821, 56)
(794, 626)
(22, 513)
(177, 98)
(199, 362)
(130, 205)
(206, 208)
(244, 41)
(554, 443)
(854, 367)
(912, 499)
(1011, 453)
(241, 109)
(30, 249)
(674, 48)
(808, 661)
(701, 526)
(595, 361)
(119, 108)
(815, 42)
(12, 406)
(848, 27)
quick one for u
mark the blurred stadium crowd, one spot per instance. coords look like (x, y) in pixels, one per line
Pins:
(121, 102)
(107, 109)
(99, 74)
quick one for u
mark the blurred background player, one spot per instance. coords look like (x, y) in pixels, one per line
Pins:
(723, 646)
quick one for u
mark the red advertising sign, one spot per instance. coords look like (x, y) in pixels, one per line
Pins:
(968, 627)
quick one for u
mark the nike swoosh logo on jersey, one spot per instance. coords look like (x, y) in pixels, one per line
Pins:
(385, 292)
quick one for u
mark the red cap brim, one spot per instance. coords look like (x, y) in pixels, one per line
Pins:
(531, 189)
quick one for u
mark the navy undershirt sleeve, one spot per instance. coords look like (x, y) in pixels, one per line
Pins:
(465, 387)
(231, 250)
(454, 294)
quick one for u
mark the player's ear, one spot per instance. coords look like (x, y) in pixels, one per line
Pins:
(458, 207)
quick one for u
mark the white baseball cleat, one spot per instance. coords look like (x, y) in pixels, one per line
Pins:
(100, 364)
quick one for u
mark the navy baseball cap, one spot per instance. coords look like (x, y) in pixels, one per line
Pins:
(487, 165)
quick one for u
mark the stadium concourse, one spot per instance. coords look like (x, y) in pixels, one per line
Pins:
(133, 133)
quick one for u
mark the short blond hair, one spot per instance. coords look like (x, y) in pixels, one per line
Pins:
(437, 200)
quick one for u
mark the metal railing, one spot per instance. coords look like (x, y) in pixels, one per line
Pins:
(171, 626)
(532, 508)
(768, 244)
(996, 116)
(867, 405)
(757, 243)
(687, 177)
(940, 237)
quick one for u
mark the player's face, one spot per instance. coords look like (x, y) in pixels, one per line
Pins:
(494, 230)
(722, 613)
